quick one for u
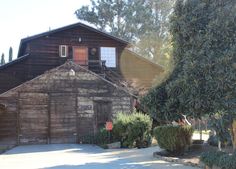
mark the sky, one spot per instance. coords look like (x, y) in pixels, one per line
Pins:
(23, 18)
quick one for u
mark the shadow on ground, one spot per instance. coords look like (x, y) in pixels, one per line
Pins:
(74, 156)
(55, 147)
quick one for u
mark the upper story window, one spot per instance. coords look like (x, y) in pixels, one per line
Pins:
(63, 51)
(108, 54)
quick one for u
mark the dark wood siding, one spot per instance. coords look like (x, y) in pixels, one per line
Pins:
(43, 55)
(14, 75)
(44, 51)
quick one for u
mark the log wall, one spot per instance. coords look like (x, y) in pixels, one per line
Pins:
(57, 107)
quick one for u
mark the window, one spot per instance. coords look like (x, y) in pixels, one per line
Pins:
(63, 51)
(108, 54)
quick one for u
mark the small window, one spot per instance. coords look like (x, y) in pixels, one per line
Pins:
(63, 51)
(108, 54)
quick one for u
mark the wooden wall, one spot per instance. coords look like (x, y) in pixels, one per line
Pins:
(44, 55)
(57, 107)
(44, 51)
(13, 75)
(8, 121)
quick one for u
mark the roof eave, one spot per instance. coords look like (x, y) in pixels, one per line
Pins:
(28, 39)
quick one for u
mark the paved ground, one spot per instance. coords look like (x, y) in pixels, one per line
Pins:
(197, 136)
(72, 156)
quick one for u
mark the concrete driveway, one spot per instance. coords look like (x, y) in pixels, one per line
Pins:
(73, 156)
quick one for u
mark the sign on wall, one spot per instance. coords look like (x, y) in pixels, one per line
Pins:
(109, 126)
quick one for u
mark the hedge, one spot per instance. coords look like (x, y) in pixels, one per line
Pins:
(174, 139)
(219, 159)
(133, 130)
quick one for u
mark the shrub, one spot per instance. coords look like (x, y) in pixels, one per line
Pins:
(211, 158)
(174, 139)
(219, 159)
(100, 138)
(133, 130)
(103, 137)
(213, 141)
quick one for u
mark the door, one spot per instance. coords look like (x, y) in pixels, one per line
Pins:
(63, 118)
(33, 118)
(103, 113)
(80, 55)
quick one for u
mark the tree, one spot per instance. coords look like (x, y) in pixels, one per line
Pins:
(203, 81)
(114, 16)
(10, 54)
(2, 59)
(144, 23)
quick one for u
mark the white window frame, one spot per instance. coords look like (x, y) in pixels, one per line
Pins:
(60, 51)
(111, 63)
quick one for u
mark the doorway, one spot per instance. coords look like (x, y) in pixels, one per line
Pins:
(103, 113)
(80, 55)
(63, 118)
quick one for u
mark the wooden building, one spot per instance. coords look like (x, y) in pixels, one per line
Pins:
(60, 106)
(85, 46)
(68, 82)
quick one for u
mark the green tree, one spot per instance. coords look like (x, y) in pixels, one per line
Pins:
(114, 16)
(204, 53)
(10, 54)
(144, 23)
(2, 59)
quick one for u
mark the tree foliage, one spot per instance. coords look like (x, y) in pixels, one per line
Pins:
(2, 59)
(204, 54)
(10, 54)
(143, 22)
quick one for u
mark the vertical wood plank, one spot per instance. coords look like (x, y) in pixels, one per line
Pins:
(18, 118)
(49, 119)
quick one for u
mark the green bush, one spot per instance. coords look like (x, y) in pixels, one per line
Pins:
(101, 138)
(227, 161)
(133, 130)
(174, 139)
(211, 158)
(219, 159)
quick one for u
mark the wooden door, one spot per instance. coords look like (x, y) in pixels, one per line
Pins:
(33, 118)
(80, 55)
(103, 113)
(63, 118)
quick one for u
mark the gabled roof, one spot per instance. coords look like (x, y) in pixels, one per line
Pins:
(24, 40)
(71, 65)
(144, 59)
(13, 61)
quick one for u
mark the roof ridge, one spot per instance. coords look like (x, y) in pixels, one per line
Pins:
(24, 40)
(71, 63)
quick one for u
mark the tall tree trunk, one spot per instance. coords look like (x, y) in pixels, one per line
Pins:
(233, 134)
(200, 128)
(219, 145)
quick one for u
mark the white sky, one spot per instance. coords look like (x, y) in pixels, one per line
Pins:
(22, 18)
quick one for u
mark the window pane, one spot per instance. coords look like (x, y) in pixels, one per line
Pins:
(63, 51)
(108, 54)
